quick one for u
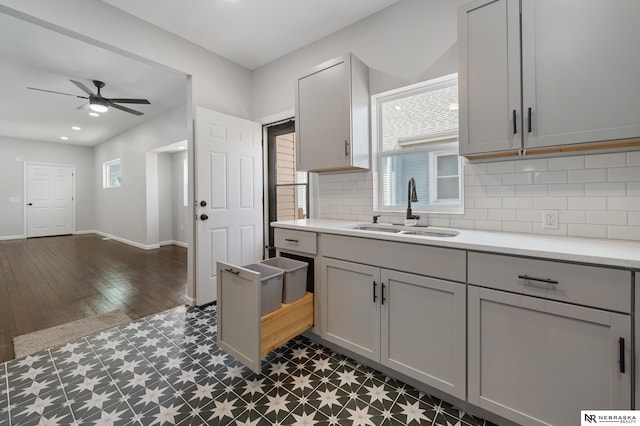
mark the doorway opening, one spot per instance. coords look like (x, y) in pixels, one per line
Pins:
(288, 188)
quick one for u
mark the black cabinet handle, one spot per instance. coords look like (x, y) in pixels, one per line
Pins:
(515, 124)
(529, 114)
(346, 148)
(621, 356)
(231, 271)
(542, 280)
(382, 295)
(375, 284)
(289, 240)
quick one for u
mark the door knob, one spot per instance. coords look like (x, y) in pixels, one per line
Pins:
(203, 203)
(30, 204)
(204, 217)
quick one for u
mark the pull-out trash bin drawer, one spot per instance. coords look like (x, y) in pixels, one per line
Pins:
(243, 331)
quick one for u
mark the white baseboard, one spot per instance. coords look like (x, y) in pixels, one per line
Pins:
(190, 301)
(88, 231)
(180, 243)
(165, 243)
(13, 237)
(129, 242)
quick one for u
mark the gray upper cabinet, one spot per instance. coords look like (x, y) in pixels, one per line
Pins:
(332, 116)
(578, 79)
(489, 77)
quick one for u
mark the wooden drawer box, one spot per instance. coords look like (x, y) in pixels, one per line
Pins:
(594, 286)
(302, 241)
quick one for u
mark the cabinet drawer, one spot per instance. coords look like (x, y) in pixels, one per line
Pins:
(302, 241)
(595, 286)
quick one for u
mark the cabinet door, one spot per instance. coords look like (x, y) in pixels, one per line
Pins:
(322, 118)
(489, 76)
(351, 311)
(580, 71)
(424, 330)
(536, 361)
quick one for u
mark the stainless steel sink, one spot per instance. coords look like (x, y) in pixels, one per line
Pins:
(404, 230)
(439, 233)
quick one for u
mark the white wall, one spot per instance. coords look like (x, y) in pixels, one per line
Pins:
(179, 210)
(12, 176)
(411, 41)
(165, 198)
(122, 212)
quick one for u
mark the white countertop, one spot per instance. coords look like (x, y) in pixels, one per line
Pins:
(624, 254)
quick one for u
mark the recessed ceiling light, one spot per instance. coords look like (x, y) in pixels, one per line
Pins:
(75, 127)
(398, 107)
(454, 106)
(64, 138)
(94, 114)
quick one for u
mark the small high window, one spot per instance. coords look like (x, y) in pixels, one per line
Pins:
(112, 174)
(417, 137)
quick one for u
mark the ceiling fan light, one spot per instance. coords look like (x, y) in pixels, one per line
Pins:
(98, 106)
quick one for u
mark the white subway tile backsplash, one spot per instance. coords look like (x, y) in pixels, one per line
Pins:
(587, 175)
(598, 161)
(532, 190)
(501, 167)
(633, 158)
(566, 163)
(554, 203)
(604, 189)
(609, 217)
(501, 191)
(536, 165)
(618, 232)
(596, 196)
(517, 178)
(559, 176)
(623, 203)
(511, 226)
(587, 203)
(572, 216)
(566, 190)
(517, 202)
(590, 231)
(624, 174)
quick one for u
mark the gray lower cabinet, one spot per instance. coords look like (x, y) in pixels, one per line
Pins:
(410, 323)
(539, 362)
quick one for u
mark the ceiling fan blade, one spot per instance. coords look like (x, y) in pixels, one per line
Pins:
(59, 93)
(83, 106)
(82, 87)
(129, 101)
(125, 109)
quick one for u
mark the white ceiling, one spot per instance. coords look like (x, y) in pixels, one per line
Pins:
(249, 32)
(252, 32)
(38, 57)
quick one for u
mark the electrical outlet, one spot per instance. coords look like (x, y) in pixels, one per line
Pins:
(550, 219)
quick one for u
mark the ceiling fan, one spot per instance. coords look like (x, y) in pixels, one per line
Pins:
(97, 102)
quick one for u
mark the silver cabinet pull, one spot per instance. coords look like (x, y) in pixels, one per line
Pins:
(346, 148)
(542, 280)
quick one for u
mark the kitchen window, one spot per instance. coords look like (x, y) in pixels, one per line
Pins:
(416, 128)
(111, 174)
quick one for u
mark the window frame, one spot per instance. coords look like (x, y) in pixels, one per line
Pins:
(443, 143)
(107, 175)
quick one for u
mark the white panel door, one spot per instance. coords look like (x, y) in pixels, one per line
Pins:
(229, 211)
(49, 199)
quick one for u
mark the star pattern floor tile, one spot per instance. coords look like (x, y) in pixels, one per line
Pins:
(166, 369)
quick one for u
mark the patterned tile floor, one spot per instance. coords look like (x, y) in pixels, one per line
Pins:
(167, 369)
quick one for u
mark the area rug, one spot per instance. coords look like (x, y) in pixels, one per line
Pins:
(65, 333)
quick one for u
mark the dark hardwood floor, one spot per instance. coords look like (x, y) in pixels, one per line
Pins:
(50, 281)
